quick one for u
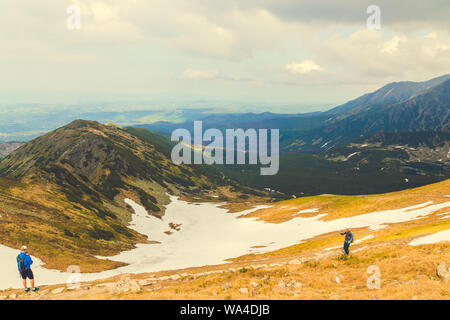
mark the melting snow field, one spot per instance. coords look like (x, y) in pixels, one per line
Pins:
(208, 235)
(432, 238)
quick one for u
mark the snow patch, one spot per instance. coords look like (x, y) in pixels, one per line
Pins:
(432, 238)
(325, 144)
(314, 210)
(351, 155)
(371, 236)
(332, 248)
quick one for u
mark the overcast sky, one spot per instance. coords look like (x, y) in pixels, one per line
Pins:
(304, 52)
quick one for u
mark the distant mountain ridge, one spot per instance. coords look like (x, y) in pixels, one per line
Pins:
(427, 111)
(396, 107)
(389, 94)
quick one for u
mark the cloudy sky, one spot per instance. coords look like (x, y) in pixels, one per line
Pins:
(304, 52)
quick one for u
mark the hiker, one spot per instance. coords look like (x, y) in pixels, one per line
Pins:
(348, 240)
(24, 263)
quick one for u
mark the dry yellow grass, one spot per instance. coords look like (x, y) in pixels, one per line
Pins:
(37, 217)
(345, 206)
(406, 273)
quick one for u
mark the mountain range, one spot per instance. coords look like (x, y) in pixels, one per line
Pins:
(389, 94)
(64, 191)
(397, 107)
(427, 110)
(394, 138)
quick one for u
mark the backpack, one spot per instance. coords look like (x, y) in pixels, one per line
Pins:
(22, 267)
(349, 237)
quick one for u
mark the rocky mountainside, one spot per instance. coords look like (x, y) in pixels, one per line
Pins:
(428, 111)
(391, 93)
(105, 159)
(414, 154)
(63, 193)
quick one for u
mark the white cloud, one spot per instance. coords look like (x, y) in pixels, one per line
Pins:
(392, 45)
(138, 45)
(194, 74)
(365, 54)
(305, 66)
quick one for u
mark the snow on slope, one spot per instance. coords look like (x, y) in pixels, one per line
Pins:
(432, 238)
(209, 235)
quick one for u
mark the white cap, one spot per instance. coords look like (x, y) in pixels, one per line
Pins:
(24, 248)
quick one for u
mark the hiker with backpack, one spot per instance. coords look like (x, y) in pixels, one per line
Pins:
(24, 263)
(348, 240)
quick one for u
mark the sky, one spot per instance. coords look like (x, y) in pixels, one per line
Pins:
(309, 54)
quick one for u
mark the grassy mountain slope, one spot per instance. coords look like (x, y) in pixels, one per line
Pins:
(62, 193)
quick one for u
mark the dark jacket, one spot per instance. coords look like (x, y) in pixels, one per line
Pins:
(348, 236)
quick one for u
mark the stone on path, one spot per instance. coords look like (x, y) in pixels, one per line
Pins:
(295, 261)
(145, 282)
(339, 278)
(226, 286)
(443, 272)
(243, 290)
(175, 277)
(58, 290)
